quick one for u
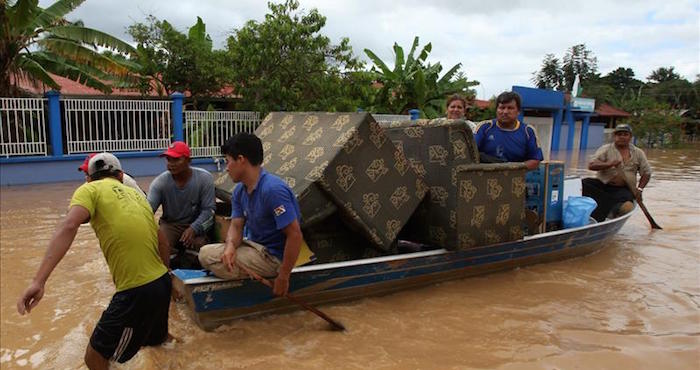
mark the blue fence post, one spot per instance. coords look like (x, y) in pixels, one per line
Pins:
(55, 128)
(584, 131)
(178, 125)
(414, 113)
(571, 126)
(556, 129)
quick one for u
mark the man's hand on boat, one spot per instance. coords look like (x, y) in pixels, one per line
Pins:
(229, 256)
(281, 285)
(30, 298)
(187, 237)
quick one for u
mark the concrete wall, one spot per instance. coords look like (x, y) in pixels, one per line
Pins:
(543, 129)
(48, 169)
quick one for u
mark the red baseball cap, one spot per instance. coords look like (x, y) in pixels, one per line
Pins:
(176, 150)
(84, 167)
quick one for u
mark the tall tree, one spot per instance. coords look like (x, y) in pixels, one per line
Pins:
(663, 74)
(413, 83)
(668, 87)
(35, 42)
(580, 61)
(550, 75)
(285, 63)
(179, 62)
(622, 80)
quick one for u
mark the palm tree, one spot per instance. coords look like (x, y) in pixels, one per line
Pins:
(35, 42)
(414, 84)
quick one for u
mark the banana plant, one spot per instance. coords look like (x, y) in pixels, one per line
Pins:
(37, 42)
(413, 83)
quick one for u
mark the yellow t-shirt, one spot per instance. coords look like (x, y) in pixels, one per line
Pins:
(124, 224)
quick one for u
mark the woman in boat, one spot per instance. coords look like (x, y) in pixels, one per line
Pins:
(456, 109)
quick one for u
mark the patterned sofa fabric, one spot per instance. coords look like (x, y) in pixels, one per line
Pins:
(435, 148)
(491, 203)
(332, 240)
(342, 162)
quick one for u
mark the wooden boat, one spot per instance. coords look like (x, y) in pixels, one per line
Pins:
(213, 301)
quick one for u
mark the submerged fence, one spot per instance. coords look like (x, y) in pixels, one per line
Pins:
(23, 127)
(205, 131)
(94, 125)
(57, 127)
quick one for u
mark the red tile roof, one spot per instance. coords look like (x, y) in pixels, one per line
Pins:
(482, 104)
(607, 110)
(72, 88)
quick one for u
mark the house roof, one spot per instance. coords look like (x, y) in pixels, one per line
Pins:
(73, 88)
(70, 87)
(607, 110)
(482, 104)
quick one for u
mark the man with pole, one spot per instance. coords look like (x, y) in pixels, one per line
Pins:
(616, 165)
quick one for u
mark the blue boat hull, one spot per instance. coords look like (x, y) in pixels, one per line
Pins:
(214, 301)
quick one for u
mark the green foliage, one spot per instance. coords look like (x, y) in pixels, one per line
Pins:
(550, 75)
(37, 41)
(656, 124)
(577, 60)
(413, 83)
(285, 63)
(178, 62)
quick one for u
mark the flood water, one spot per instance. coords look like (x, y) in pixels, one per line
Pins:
(633, 305)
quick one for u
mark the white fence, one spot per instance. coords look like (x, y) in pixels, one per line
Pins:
(95, 125)
(22, 127)
(390, 117)
(206, 131)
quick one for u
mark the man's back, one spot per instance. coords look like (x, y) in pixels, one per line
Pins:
(124, 224)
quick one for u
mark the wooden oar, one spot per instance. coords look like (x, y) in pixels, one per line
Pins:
(334, 324)
(635, 193)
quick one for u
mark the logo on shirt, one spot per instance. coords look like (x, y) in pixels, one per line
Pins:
(279, 211)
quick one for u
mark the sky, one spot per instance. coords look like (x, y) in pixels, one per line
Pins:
(500, 43)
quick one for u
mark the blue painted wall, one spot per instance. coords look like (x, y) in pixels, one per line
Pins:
(42, 170)
(596, 135)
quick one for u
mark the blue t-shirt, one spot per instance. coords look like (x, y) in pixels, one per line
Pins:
(516, 145)
(270, 208)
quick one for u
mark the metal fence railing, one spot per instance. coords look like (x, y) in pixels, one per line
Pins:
(206, 131)
(95, 125)
(391, 117)
(23, 127)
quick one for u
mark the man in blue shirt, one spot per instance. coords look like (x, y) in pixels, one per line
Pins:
(265, 234)
(506, 138)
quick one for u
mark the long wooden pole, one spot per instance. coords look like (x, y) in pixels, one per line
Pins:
(334, 324)
(638, 198)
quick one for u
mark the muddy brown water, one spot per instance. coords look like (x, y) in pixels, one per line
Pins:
(633, 305)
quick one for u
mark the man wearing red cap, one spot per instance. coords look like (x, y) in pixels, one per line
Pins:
(127, 180)
(187, 196)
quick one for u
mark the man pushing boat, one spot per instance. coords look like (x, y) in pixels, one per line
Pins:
(265, 233)
(122, 219)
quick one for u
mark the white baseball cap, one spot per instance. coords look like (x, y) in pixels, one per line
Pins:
(103, 162)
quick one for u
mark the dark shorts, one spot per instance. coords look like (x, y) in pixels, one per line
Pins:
(607, 196)
(135, 317)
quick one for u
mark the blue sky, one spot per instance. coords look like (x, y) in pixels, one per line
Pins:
(499, 43)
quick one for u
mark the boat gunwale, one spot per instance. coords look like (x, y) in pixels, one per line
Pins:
(414, 255)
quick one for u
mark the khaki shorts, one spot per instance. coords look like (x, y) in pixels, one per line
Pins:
(251, 255)
(173, 232)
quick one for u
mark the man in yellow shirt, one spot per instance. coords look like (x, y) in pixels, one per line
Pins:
(123, 222)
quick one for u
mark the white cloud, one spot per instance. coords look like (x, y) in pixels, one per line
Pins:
(499, 43)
